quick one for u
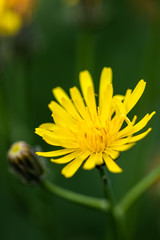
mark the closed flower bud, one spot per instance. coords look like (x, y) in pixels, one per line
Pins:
(24, 163)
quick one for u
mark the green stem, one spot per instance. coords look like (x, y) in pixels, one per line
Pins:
(85, 45)
(117, 227)
(106, 185)
(137, 191)
(91, 202)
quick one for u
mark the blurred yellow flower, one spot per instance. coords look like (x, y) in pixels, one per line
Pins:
(89, 133)
(13, 14)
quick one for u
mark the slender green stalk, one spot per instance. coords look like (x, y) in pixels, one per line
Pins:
(85, 44)
(91, 202)
(106, 185)
(117, 228)
(137, 191)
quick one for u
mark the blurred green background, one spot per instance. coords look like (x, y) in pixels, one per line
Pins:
(64, 38)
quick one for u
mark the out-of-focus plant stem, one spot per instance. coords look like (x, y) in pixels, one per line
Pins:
(91, 202)
(85, 45)
(137, 191)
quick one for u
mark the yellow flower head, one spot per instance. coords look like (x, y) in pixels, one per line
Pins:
(89, 134)
(13, 13)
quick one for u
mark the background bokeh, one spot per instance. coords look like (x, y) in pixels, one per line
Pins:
(63, 38)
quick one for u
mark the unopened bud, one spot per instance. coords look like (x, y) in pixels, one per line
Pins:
(24, 163)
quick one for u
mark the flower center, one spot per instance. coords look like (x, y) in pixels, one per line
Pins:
(93, 137)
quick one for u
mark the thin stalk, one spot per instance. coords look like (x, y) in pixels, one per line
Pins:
(116, 221)
(85, 46)
(91, 202)
(106, 185)
(136, 192)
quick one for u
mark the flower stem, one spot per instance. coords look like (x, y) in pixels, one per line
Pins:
(116, 220)
(91, 202)
(106, 184)
(138, 190)
(85, 45)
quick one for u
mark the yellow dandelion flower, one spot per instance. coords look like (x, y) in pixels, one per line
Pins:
(13, 15)
(10, 23)
(89, 134)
